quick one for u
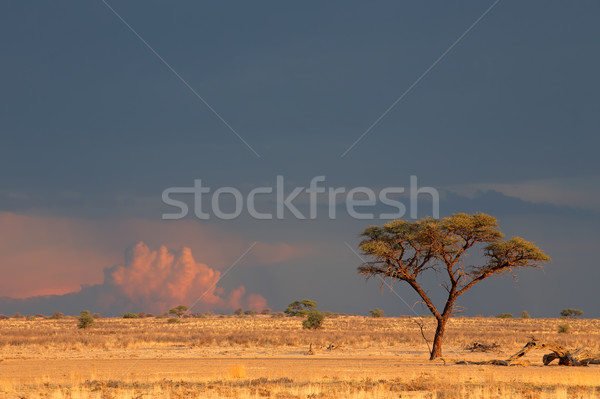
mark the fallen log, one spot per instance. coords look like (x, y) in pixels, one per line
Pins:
(514, 360)
(564, 356)
(479, 347)
(591, 361)
(495, 362)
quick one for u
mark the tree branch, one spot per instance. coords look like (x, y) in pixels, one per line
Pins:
(425, 298)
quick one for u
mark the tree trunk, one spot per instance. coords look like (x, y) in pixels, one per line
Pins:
(436, 350)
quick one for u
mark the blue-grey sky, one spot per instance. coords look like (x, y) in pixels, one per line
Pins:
(94, 126)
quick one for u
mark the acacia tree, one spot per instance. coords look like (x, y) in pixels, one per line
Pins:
(300, 308)
(178, 311)
(404, 251)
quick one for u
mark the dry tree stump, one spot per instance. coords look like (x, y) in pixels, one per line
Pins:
(567, 358)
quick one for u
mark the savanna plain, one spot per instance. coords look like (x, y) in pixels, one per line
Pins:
(268, 356)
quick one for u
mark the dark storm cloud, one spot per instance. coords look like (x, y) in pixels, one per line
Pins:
(93, 125)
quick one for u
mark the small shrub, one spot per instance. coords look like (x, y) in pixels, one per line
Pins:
(249, 312)
(505, 316)
(57, 315)
(376, 312)
(17, 315)
(178, 311)
(85, 319)
(265, 311)
(142, 315)
(525, 315)
(130, 316)
(40, 316)
(571, 313)
(30, 317)
(149, 314)
(4, 317)
(314, 320)
(564, 329)
(96, 315)
(278, 315)
(174, 320)
(239, 311)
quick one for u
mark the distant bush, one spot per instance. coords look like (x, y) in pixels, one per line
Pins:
(249, 312)
(96, 315)
(239, 311)
(57, 315)
(314, 320)
(17, 315)
(40, 316)
(174, 320)
(85, 319)
(149, 315)
(142, 315)
(564, 329)
(277, 315)
(376, 312)
(505, 316)
(178, 311)
(265, 311)
(131, 316)
(30, 317)
(4, 317)
(525, 315)
(300, 308)
(571, 313)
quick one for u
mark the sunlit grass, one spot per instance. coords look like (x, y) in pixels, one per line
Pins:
(265, 357)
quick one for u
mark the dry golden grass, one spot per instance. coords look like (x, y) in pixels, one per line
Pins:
(265, 357)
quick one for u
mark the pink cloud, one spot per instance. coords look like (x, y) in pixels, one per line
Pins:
(54, 255)
(256, 302)
(157, 280)
(235, 298)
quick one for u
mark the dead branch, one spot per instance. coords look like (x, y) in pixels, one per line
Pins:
(421, 326)
(310, 350)
(528, 346)
(478, 347)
